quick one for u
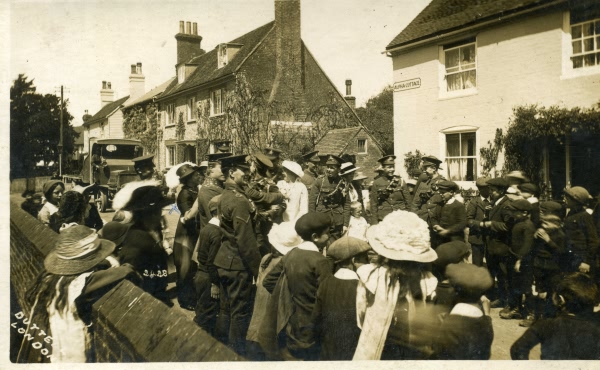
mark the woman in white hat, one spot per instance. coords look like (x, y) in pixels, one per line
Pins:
(294, 191)
(392, 290)
(76, 273)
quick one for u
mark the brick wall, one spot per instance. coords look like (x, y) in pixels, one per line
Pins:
(518, 63)
(130, 325)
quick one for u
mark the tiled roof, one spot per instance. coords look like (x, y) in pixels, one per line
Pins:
(106, 111)
(207, 70)
(442, 16)
(335, 141)
(150, 94)
(79, 130)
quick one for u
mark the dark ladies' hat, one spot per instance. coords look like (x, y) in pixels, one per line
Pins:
(77, 250)
(146, 197)
(50, 185)
(114, 231)
(186, 170)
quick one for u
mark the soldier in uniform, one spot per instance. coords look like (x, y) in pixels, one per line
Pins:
(387, 194)
(238, 258)
(275, 173)
(212, 186)
(426, 185)
(268, 199)
(327, 196)
(311, 164)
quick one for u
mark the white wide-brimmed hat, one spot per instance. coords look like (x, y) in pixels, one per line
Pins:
(402, 236)
(293, 167)
(284, 237)
(347, 167)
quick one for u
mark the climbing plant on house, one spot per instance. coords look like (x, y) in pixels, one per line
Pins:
(141, 123)
(489, 154)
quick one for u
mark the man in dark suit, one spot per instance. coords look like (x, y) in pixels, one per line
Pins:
(452, 215)
(499, 229)
(238, 258)
(478, 210)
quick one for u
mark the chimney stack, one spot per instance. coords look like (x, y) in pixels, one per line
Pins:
(107, 95)
(137, 82)
(188, 42)
(349, 98)
(288, 46)
(86, 116)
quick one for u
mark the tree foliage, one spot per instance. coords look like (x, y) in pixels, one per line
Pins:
(378, 117)
(413, 161)
(489, 154)
(35, 129)
(532, 126)
(140, 123)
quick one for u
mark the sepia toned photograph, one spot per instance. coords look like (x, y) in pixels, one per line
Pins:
(242, 183)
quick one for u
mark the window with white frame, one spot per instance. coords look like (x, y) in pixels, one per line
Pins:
(361, 146)
(460, 62)
(216, 102)
(181, 73)
(170, 117)
(191, 108)
(461, 158)
(585, 38)
(170, 160)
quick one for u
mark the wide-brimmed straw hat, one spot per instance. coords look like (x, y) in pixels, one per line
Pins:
(138, 195)
(402, 236)
(284, 238)
(77, 250)
(293, 167)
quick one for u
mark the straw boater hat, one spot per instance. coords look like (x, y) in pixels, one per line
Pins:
(347, 167)
(402, 236)
(293, 167)
(77, 250)
(284, 238)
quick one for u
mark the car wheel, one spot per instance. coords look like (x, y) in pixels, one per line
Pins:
(103, 202)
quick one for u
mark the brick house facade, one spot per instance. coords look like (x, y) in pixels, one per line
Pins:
(460, 67)
(271, 58)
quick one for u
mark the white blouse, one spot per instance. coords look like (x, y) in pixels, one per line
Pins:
(296, 199)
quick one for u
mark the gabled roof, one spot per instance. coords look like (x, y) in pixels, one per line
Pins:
(336, 141)
(442, 16)
(106, 111)
(207, 70)
(150, 94)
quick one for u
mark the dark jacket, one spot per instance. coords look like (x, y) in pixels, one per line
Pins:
(239, 249)
(500, 237)
(547, 255)
(582, 237)
(309, 179)
(453, 218)
(464, 338)
(326, 196)
(476, 213)
(185, 200)
(384, 200)
(209, 244)
(205, 194)
(522, 239)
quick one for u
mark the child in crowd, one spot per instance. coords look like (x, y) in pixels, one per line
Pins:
(466, 333)
(448, 253)
(357, 228)
(575, 333)
(581, 233)
(334, 316)
(32, 203)
(293, 282)
(519, 263)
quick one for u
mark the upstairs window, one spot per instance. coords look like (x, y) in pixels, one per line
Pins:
(361, 146)
(191, 108)
(181, 74)
(461, 158)
(216, 102)
(170, 160)
(585, 38)
(170, 117)
(460, 61)
(222, 55)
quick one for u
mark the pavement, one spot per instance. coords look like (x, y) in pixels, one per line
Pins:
(506, 332)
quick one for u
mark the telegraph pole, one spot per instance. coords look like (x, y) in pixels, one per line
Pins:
(60, 141)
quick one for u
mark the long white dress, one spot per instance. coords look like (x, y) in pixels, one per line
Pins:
(297, 199)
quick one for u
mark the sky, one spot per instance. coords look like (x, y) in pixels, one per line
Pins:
(78, 44)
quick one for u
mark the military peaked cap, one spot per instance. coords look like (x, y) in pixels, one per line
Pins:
(388, 159)
(235, 161)
(214, 157)
(145, 159)
(334, 160)
(312, 157)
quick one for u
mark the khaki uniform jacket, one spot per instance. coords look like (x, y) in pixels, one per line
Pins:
(383, 203)
(327, 197)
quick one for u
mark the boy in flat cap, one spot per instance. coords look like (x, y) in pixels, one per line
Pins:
(387, 194)
(294, 282)
(334, 316)
(498, 227)
(310, 165)
(582, 236)
(327, 196)
(452, 215)
(531, 192)
(478, 211)
(238, 259)
(519, 263)
(467, 332)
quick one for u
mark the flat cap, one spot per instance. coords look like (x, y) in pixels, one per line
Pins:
(312, 157)
(388, 159)
(334, 160)
(139, 160)
(451, 252)
(550, 207)
(498, 182)
(528, 187)
(213, 203)
(235, 161)
(214, 157)
(520, 205)
(347, 247)
(446, 185)
(579, 193)
(263, 160)
(482, 182)
(469, 279)
(312, 222)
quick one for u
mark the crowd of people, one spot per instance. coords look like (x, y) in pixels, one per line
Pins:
(305, 261)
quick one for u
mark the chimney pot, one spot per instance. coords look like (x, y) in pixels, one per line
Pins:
(188, 28)
(181, 27)
(103, 85)
(108, 85)
(348, 87)
(133, 69)
(139, 68)
(195, 28)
